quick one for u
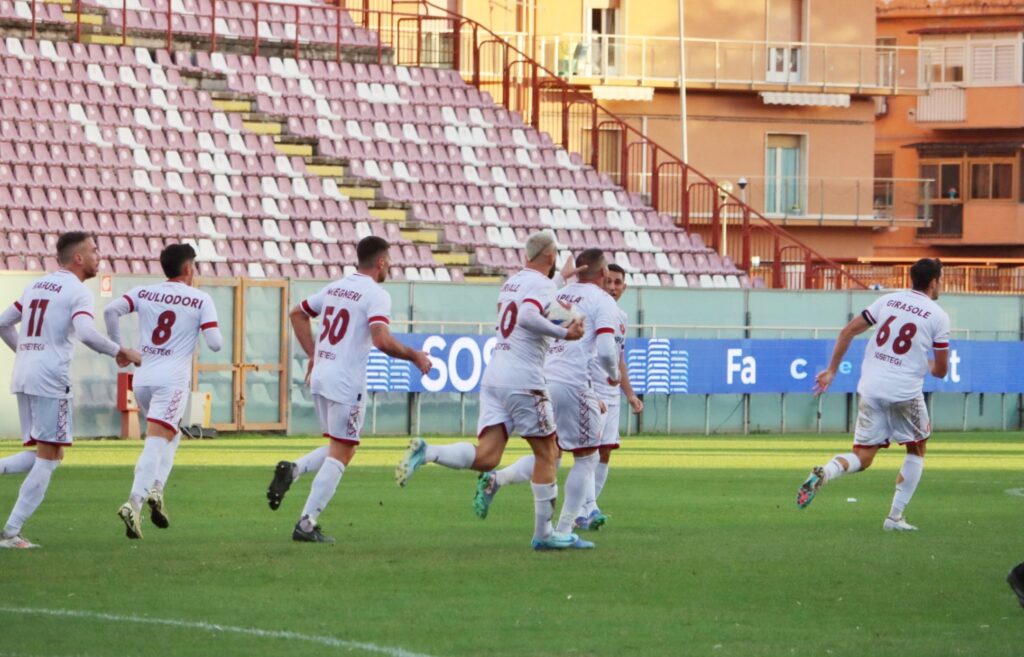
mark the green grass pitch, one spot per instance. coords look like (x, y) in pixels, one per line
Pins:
(705, 554)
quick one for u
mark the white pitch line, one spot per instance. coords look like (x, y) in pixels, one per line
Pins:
(215, 628)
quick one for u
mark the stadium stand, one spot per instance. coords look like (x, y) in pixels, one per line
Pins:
(276, 166)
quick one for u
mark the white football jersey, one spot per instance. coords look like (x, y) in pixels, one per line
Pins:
(171, 317)
(908, 326)
(569, 361)
(46, 336)
(349, 306)
(604, 390)
(518, 357)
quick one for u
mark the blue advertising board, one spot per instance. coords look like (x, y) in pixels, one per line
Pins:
(722, 366)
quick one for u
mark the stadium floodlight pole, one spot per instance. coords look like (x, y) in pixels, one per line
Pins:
(682, 82)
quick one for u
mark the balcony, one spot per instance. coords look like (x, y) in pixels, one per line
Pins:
(806, 67)
(972, 108)
(802, 201)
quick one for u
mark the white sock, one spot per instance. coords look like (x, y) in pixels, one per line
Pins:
(544, 496)
(163, 472)
(834, 469)
(146, 469)
(913, 466)
(324, 484)
(600, 476)
(33, 489)
(459, 456)
(17, 463)
(517, 473)
(579, 482)
(310, 462)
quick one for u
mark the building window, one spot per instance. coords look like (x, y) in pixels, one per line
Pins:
(883, 194)
(992, 180)
(785, 180)
(975, 59)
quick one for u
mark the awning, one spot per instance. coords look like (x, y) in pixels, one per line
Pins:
(805, 99)
(970, 29)
(969, 148)
(612, 92)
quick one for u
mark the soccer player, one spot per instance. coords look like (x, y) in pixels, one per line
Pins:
(513, 393)
(1016, 581)
(356, 313)
(592, 518)
(172, 314)
(910, 327)
(52, 311)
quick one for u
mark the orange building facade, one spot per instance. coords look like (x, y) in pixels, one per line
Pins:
(967, 133)
(780, 104)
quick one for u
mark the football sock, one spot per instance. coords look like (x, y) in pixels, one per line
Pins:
(600, 477)
(579, 482)
(163, 471)
(33, 489)
(324, 484)
(17, 463)
(544, 496)
(310, 462)
(910, 476)
(459, 456)
(146, 470)
(517, 473)
(834, 469)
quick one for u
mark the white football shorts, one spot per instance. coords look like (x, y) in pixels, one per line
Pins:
(526, 413)
(610, 427)
(578, 417)
(338, 421)
(44, 420)
(881, 422)
(163, 405)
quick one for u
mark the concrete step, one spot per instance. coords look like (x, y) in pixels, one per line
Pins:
(226, 105)
(327, 171)
(388, 214)
(263, 127)
(294, 149)
(453, 258)
(420, 236)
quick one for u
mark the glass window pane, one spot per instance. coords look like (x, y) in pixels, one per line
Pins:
(931, 172)
(1002, 181)
(262, 397)
(954, 64)
(951, 181)
(221, 388)
(262, 325)
(981, 180)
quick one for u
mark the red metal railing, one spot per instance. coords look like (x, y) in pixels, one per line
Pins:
(421, 33)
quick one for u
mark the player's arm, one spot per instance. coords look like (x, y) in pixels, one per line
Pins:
(113, 313)
(940, 366)
(95, 340)
(940, 346)
(857, 325)
(8, 320)
(608, 354)
(303, 328)
(209, 326)
(635, 402)
(532, 319)
(383, 340)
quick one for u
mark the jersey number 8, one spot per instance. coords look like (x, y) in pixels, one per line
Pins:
(162, 332)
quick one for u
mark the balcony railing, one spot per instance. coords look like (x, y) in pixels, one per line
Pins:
(945, 104)
(731, 64)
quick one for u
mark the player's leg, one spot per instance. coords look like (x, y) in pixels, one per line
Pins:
(1016, 581)
(482, 457)
(22, 461)
(579, 485)
(489, 483)
(161, 406)
(50, 422)
(287, 473)
(911, 428)
(871, 433)
(156, 500)
(343, 426)
(609, 441)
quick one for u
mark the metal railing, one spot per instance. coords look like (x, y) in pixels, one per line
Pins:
(730, 63)
(420, 33)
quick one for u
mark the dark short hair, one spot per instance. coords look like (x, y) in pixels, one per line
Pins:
(592, 259)
(924, 271)
(617, 269)
(67, 242)
(174, 257)
(370, 248)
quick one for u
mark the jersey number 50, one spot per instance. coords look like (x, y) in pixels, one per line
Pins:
(334, 329)
(904, 338)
